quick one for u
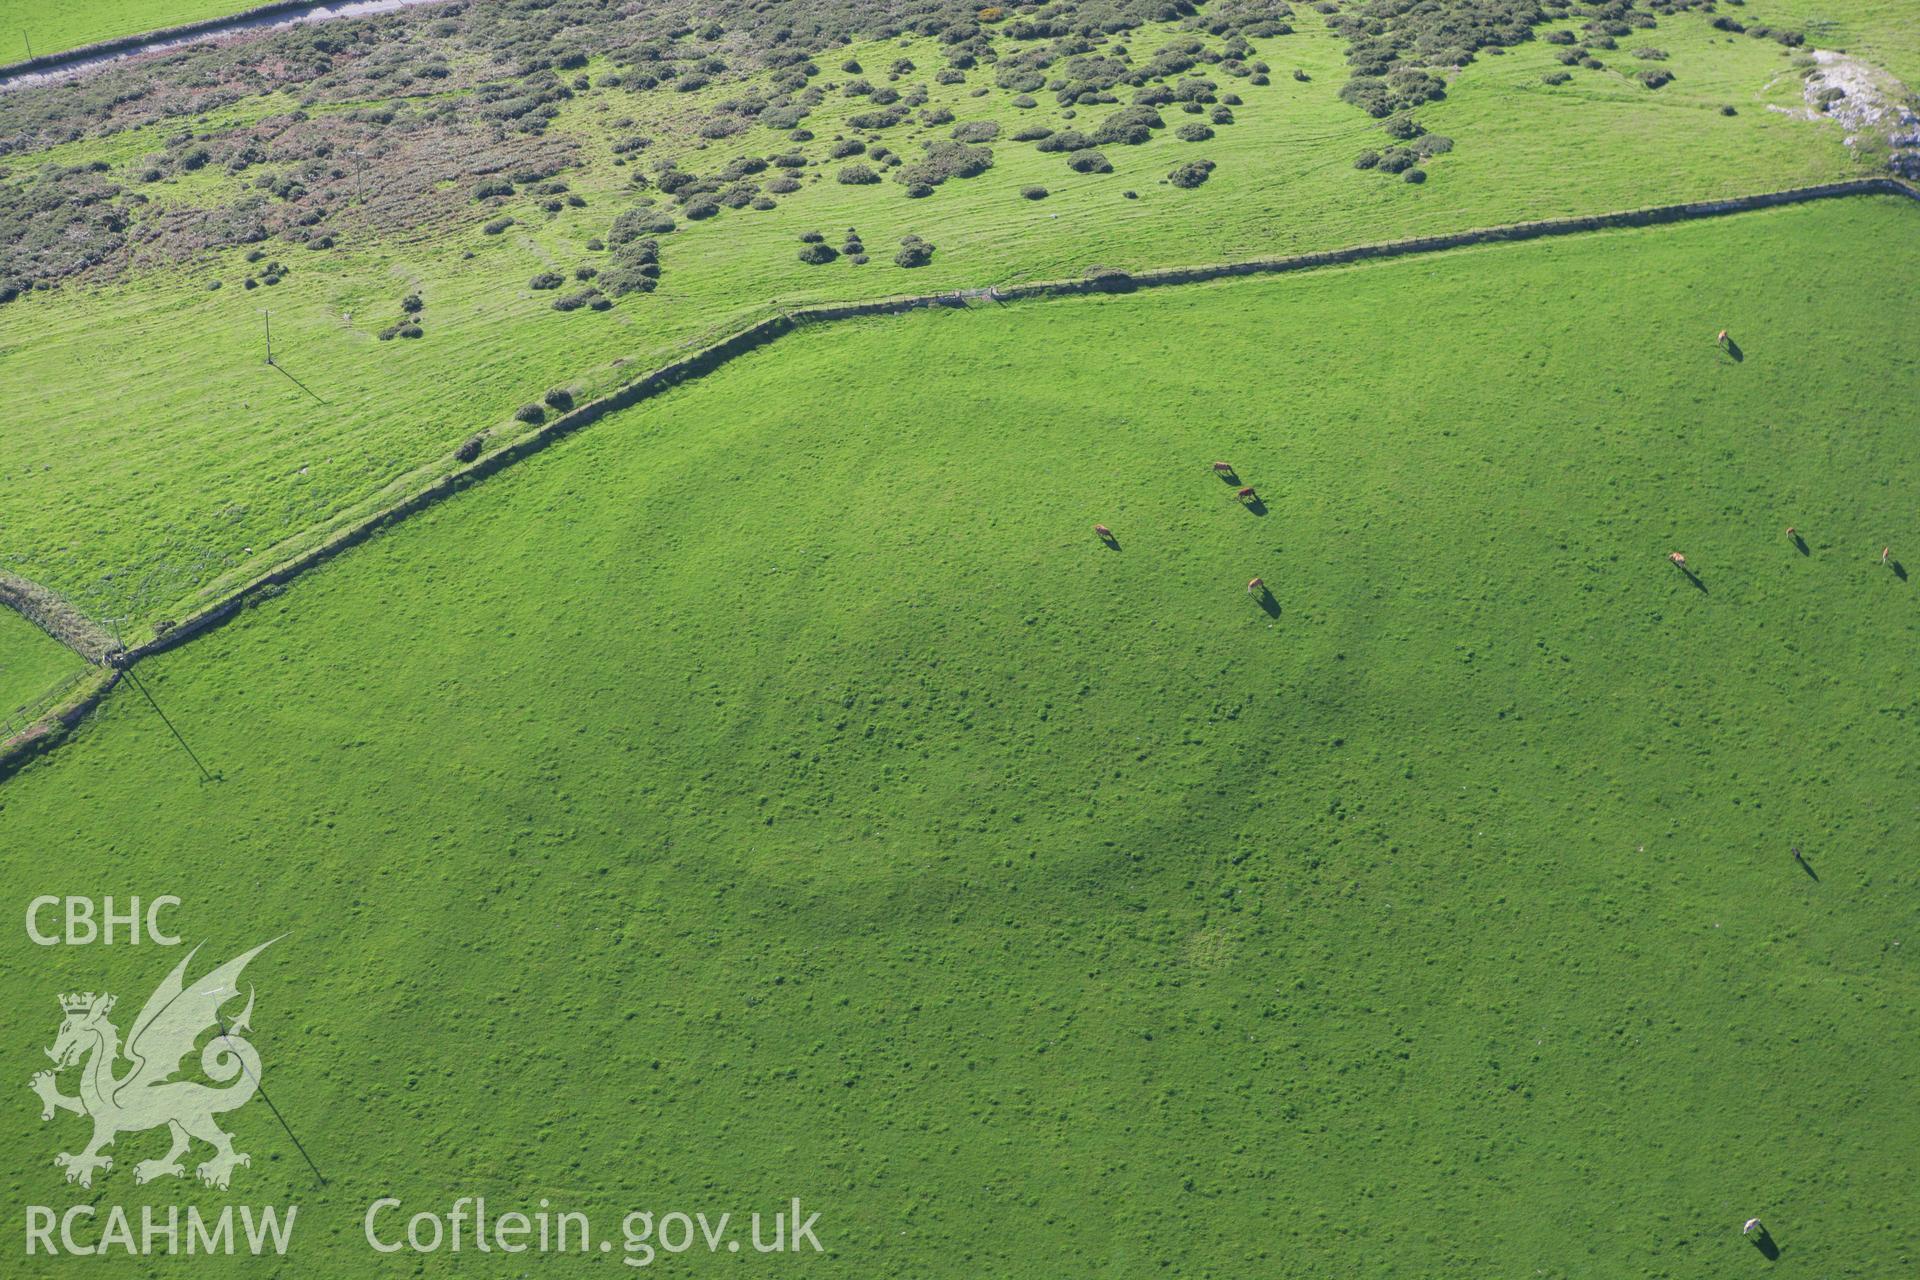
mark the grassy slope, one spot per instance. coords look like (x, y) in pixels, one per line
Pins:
(31, 662)
(778, 791)
(53, 28)
(223, 455)
(1881, 31)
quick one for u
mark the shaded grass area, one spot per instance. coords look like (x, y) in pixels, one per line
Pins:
(31, 664)
(55, 28)
(778, 790)
(229, 458)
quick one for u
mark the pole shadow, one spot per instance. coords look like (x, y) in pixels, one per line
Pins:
(296, 382)
(1805, 866)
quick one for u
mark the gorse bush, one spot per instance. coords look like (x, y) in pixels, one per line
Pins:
(914, 252)
(1191, 174)
(944, 160)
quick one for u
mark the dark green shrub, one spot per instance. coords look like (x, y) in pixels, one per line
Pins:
(1130, 126)
(470, 448)
(498, 225)
(914, 252)
(976, 131)
(846, 147)
(411, 304)
(1034, 193)
(531, 414)
(1193, 133)
(1089, 161)
(492, 187)
(1191, 174)
(559, 399)
(1366, 159)
(1415, 176)
(857, 175)
(1397, 160)
(545, 280)
(1555, 77)
(1065, 140)
(817, 255)
(1654, 77)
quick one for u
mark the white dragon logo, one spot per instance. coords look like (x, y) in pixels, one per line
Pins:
(147, 1095)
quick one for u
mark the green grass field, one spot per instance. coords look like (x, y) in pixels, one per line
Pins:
(777, 790)
(30, 664)
(1882, 31)
(227, 466)
(55, 28)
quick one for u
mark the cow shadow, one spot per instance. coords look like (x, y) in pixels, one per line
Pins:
(1899, 570)
(1764, 1243)
(1110, 542)
(1692, 577)
(1256, 506)
(1229, 476)
(1734, 351)
(1268, 605)
(1800, 545)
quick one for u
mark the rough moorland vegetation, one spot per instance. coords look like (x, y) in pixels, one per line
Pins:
(468, 94)
(464, 98)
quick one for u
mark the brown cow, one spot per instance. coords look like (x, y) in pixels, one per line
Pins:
(1677, 558)
(1256, 587)
(1225, 468)
(1104, 532)
(1246, 495)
